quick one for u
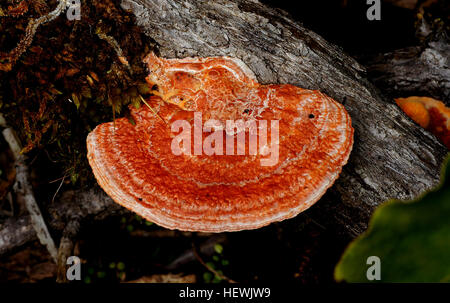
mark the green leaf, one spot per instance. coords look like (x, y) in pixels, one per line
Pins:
(86, 92)
(74, 178)
(101, 274)
(143, 88)
(76, 100)
(120, 266)
(207, 277)
(136, 102)
(218, 248)
(412, 240)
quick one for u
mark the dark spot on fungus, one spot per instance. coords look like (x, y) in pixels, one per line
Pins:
(311, 116)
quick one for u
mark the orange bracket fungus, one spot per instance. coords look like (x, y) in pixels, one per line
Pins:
(216, 151)
(429, 113)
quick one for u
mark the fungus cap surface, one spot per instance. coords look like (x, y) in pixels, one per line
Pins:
(136, 166)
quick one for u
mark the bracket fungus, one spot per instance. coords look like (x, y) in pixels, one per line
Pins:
(197, 190)
(429, 113)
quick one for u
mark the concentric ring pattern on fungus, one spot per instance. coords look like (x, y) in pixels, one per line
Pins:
(136, 167)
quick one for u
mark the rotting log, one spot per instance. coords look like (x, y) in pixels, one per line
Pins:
(392, 157)
(15, 233)
(416, 70)
(64, 217)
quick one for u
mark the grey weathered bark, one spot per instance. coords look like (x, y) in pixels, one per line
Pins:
(419, 70)
(75, 206)
(65, 217)
(391, 158)
(24, 189)
(15, 233)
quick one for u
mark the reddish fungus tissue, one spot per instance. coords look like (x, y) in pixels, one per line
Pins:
(429, 113)
(137, 168)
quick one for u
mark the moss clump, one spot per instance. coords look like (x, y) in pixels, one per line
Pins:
(70, 80)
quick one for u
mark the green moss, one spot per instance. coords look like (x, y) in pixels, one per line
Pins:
(69, 81)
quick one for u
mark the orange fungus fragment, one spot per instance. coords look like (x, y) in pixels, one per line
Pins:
(429, 113)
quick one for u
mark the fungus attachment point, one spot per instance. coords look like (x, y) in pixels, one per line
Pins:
(199, 190)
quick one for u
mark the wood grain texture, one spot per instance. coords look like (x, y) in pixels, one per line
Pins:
(417, 70)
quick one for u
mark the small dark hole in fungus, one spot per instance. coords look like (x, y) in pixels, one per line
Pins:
(140, 199)
(311, 116)
(246, 111)
(155, 87)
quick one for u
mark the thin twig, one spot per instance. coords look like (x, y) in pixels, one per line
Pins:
(115, 45)
(30, 31)
(24, 188)
(215, 272)
(156, 114)
(59, 187)
(17, 231)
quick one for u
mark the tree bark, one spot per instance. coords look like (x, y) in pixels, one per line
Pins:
(418, 70)
(15, 233)
(392, 157)
(65, 217)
